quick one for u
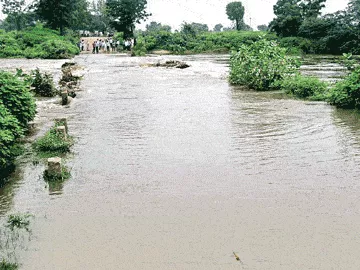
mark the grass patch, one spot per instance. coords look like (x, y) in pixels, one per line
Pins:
(307, 87)
(53, 144)
(57, 177)
(4, 265)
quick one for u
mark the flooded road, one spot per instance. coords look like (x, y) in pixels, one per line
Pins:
(175, 169)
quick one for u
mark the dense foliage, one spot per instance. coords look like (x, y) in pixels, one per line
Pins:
(335, 33)
(10, 130)
(124, 14)
(16, 97)
(346, 93)
(37, 42)
(43, 84)
(304, 87)
(261, 65)
(58, 14)
(181, 42)
(17, 108)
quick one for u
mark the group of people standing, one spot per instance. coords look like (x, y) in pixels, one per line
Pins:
(106, 45)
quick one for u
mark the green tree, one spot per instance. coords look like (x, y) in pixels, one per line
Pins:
(99, 21)
(57, 14)
(124, 14)
(312, 8)
(15, 11)
(156, 27)
(290, 14)
(262, 27)
(235, 12)
(188, 29)
(199, 27)
(218, 27)
(80, 17)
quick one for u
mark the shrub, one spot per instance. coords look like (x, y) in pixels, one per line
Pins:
(56, 177)
(4, 265)
(43, 84)
(16, 97)
(52, 144)
(55, 49)
(346, 93)
(260, 65)
(10, 130)
(304, 87)
(37, 42)
(297, 43)
(140, 48)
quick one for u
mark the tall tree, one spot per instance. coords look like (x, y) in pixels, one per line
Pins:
(15, 11)
(57, 14)
(99, 21)
(262, 27)
(312, 8)
(156, 27)
(124, 14)
(290, 14)
(80, 18)
(218, 27)
(235, 12)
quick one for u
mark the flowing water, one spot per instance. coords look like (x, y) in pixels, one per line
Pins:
(175, 169)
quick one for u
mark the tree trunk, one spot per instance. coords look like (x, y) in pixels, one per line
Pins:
(62, 30)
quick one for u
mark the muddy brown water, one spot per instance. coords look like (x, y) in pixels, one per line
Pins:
(175, 169)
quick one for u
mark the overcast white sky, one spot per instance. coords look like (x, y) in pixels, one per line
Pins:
(211, 12)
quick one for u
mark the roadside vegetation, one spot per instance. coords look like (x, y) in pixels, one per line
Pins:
(272, 69)
(53, 143)
(17, 108)
(37, 42)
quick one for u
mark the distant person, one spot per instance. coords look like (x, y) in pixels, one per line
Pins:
(94, 46)
(107, 45)
(98, 42)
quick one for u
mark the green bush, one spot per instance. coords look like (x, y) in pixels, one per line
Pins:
(43, 84)
(52, 144)
(261, 65)
(37, 42)
(10, 130)
(346, 93)
(304, 87)
(54, 49)
(4, 265)
(204, 42)
(16, 97)
(57, 177)
(296, 44)
(140, 47)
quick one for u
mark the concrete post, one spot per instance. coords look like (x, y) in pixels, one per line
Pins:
(63, 122)
(54, 166)
(64, 97)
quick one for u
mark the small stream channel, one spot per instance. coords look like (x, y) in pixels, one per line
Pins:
(176, 169)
